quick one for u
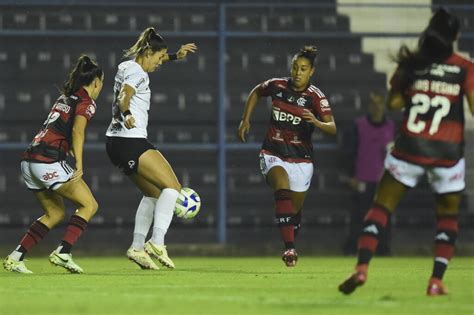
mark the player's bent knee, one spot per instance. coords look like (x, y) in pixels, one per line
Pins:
(90, 208)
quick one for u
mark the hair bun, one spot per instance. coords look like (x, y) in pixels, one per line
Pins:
(309, 49)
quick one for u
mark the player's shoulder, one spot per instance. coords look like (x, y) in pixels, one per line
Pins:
(314, 90)
(460, 60)
(278, 82)
(130, 67)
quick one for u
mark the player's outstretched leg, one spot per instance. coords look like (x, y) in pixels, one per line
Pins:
(13, 265)
(160, 253)
(141, 258)
(374, 225)
(445, 240)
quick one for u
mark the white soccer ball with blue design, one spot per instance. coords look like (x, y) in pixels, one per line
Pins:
(188, 204)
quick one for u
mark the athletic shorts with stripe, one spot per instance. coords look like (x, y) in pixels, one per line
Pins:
(299, 174)
(42, 176)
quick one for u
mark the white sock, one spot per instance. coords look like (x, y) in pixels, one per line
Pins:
(143, 220)
(164, 210)
(16, 255)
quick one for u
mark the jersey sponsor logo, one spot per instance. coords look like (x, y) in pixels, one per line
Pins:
(50, 176)
(142, 80)
(324, 104)
(91, 110)
(282, 116)
(295, 140)
(301, 101)
(62, 107)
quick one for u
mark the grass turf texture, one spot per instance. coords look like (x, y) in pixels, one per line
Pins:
(112, 285)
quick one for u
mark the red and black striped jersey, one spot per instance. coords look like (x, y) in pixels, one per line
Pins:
(53, 141)
(288, 134)
(432, 131)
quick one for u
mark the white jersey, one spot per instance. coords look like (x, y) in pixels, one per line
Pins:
(131, 73)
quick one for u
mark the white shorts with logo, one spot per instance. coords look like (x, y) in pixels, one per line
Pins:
(299, 174)
(443, 180)
(41, 176)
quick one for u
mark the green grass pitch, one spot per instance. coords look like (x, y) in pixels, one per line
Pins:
(257, 285)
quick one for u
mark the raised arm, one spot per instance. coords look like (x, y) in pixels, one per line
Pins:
(182, 52)
(252, 101)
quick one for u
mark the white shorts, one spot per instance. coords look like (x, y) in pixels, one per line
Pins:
(41, 176)
(443, 180)
(299, 174)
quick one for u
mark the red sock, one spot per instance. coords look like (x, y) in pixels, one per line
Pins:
(74, 229)
(374, 226)
(33, 236)
(283, 215)
(445, 239)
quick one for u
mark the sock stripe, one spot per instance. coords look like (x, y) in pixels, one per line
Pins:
(441, 260)
(78, 221)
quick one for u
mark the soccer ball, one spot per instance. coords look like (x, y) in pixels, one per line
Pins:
(188, 204)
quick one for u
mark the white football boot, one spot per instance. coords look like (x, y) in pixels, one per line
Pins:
(160, 253)
(141, 258)
(9, 264)
(64, 260)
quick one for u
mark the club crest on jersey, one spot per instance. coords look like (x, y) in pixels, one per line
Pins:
(301, 101)
(283, 116)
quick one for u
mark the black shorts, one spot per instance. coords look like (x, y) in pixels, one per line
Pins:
(125, 152)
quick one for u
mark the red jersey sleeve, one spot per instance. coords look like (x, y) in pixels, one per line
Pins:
(86, 108)
(468, 85)
(321, 104)
(265, 88)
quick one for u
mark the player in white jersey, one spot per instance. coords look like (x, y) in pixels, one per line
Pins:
(129, 149)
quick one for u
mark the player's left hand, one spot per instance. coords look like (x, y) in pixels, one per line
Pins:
(185, 49)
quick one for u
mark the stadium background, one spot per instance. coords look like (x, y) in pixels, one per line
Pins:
(196, 107)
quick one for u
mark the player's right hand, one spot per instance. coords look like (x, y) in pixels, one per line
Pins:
(244, 128)
(129, 122)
